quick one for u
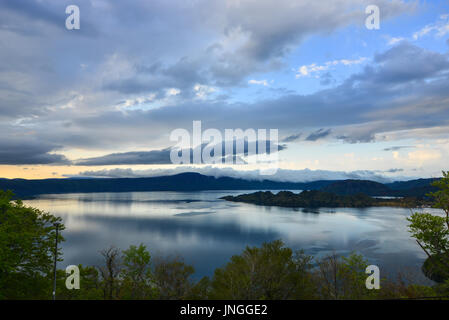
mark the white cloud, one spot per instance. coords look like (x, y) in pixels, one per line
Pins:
(304, 71)
(440, 28)
(138, 101)
(311, 69)
(282, 175)
(259, 82)
(202, 91)
(394, 40)
(173, 92)
(424, 155)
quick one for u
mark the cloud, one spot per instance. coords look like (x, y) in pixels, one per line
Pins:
(259, 32)
(319, 134)
(312, 69)
(120, 99)
(136, 157)
(404, 63)
(29, 152)
(420, 156)
(223, 43)
(395, 40)
(33, 10)
(203, 91)
(309, 70)
(397, 148)
(439, 28)
(394, 170)
(258, 82)
(163, 156)
(282, 175)
(409, 84)
(424, 155)
(326, 79)
(291, 138)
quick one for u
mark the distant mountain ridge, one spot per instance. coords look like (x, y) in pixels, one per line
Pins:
(413, 188)
(191, 181)
(351, 187)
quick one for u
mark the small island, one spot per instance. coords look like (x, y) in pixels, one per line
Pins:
(317, 199)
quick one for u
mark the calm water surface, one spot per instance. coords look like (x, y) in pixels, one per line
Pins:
(207, 231)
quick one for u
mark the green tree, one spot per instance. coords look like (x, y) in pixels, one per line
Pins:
(270, 272)
(200, 290)
(432, 233)
(136, 273)
(27, 239)
(90, 285)
(342, 277)
(110, 273)
(172, 278)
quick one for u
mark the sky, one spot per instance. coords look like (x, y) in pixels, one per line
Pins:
(103, 100)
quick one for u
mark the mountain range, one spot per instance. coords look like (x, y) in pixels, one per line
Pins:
(196, 182)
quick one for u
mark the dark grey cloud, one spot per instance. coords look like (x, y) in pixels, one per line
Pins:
(19, 152)
(404, 63)
(56, 75)
(397, 148)
(37, 18)
(35, 10)
(212, 43)
(163, 156)
(271, 28)
(157, 77)
(394, 170)
(319, 134)
(356, 110)
(326, 79)
(136, 157)
(293, 137)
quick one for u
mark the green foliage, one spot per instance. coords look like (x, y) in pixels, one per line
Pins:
(442, 289)
(136, 274)
(270, 272)
(399, 290)
(442, 195)
(27, 238)
(317, 199)
(90, 285)
(354, 276)
(110, 273)
(172, 279)
(200, 290)
(343, 277)
(432, 233)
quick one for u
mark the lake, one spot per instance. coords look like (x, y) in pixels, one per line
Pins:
(207, 231)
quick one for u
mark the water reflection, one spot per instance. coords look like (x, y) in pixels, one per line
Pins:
(206, 231)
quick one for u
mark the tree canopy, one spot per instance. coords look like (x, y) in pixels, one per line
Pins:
(432, 232)
(27, 238)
